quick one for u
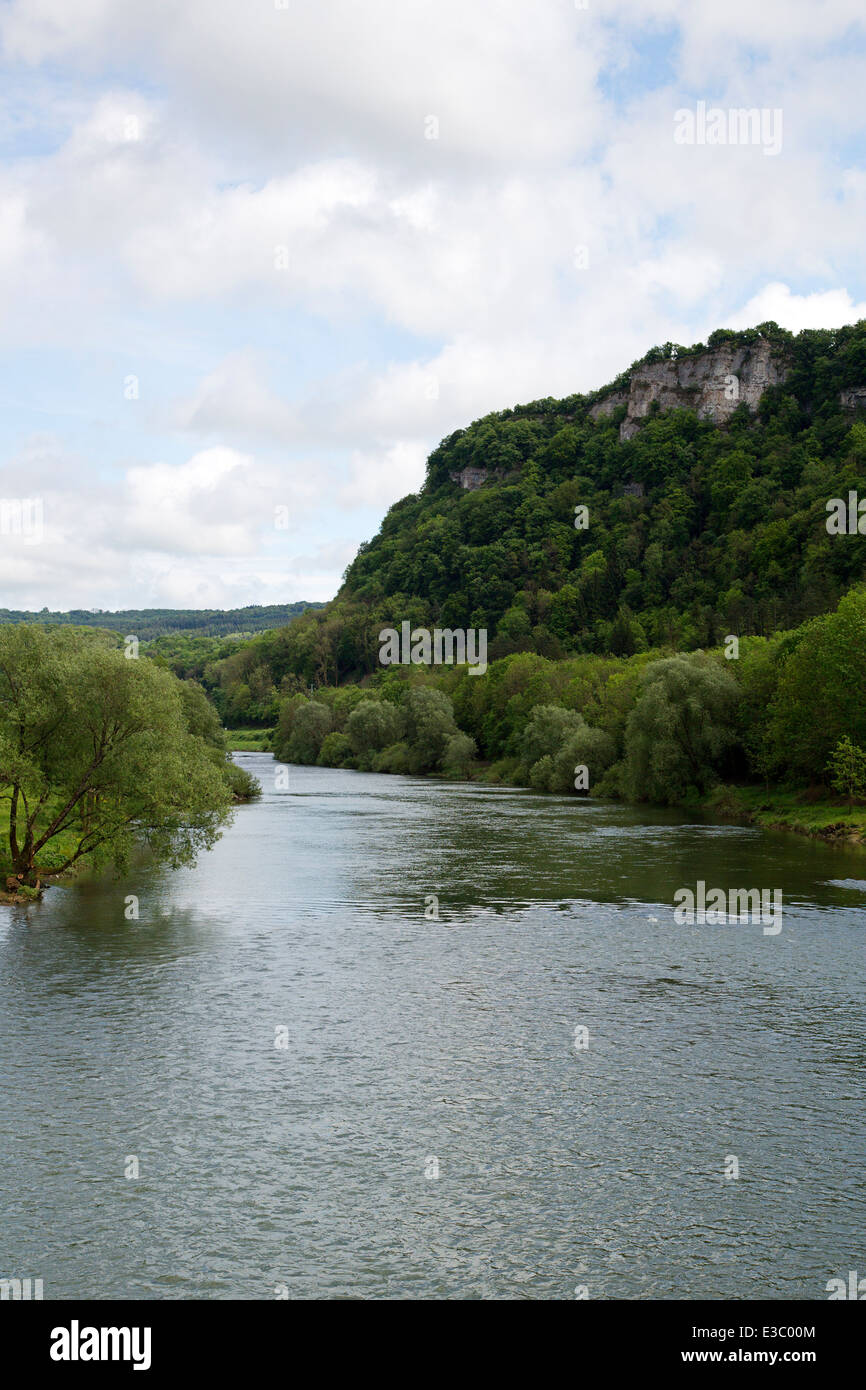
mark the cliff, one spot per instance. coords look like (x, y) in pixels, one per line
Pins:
(713, 383)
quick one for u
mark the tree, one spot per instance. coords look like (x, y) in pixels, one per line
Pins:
(312, 721)
(374, 725)
(589, 748)
(820, 693)
(336, 751)
(457, 759)
(96, 754)
(429, 726)
(548, 729)
(680, 729)
(848, 769)
(203, 721)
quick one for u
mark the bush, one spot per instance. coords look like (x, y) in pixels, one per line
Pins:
(244, 787)
(458, 757)
(590, 748)
(680, 729)
(540, 773)
(397, 758)
(336, 751)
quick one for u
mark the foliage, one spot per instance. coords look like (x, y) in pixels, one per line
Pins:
(149, 623)
(605, 643)
(848, 769)
(819, 699)
(680, 728)
(98, 752)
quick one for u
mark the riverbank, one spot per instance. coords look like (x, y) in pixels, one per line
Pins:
(814, 812)
(803, 811)
(253, 740)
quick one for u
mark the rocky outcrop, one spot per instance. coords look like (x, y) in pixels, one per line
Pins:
(712, 383)
(853, 398)
(470, 478)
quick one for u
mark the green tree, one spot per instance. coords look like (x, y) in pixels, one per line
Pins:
(548, 729)
(458, 756)
(429, 726)
(96, 755)
(374, 725)
(312, 721)
(590, 748)
(336, 751)
(820, 693)
(848, 769)
(680, 729)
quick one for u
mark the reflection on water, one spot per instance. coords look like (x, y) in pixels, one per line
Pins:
(411, 1038)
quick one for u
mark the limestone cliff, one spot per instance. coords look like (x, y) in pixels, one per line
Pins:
(712, 383)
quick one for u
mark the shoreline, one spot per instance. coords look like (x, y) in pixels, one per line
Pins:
(816, 817)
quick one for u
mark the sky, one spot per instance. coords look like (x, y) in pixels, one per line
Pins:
(258, 256)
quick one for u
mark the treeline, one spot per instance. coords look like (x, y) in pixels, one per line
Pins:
(245, 679)
(148, 623)
(659, 726)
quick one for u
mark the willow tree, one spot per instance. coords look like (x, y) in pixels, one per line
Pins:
(681, 729)
(96, 755)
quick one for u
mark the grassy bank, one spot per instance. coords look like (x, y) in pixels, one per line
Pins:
(248, 740)
(56, 852)
(801, 810)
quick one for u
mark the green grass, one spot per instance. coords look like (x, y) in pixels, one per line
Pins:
(827, 815)
(248, 740)
(55, 853)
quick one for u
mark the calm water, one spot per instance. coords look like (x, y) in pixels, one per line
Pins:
(412, 1040)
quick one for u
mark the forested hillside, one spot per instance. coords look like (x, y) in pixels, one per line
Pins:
(693, 530)
(612, 545)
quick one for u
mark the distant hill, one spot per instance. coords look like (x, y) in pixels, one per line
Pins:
(148, 623)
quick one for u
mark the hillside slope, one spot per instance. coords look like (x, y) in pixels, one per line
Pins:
(613, 545)
(705, 472)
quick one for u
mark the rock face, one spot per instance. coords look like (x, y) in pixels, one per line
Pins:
(470, 478)
(712, 383)
(853, 398)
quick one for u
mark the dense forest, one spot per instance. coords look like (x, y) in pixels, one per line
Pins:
(657, 726)
(694, 531)
(701, 626)
(148, 623)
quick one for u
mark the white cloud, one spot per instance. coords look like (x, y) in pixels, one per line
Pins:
(426, 281)
(777, 302)
(380, 479)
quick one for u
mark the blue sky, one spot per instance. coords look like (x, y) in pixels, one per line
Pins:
(237, 275)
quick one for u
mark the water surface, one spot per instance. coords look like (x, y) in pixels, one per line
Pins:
(417, 1046)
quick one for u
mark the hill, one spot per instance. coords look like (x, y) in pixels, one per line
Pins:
(149, 623)
(705, 473)
(670, 572)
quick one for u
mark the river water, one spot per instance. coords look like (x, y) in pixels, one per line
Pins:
(328, 1090)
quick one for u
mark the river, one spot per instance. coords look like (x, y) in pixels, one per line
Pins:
(340, 1054)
